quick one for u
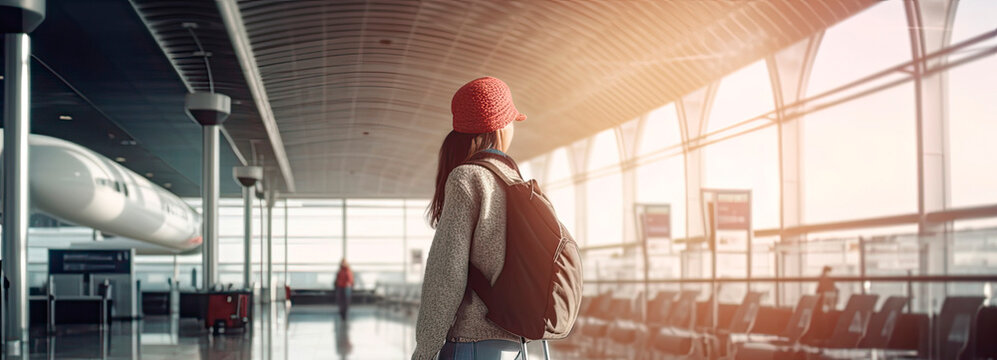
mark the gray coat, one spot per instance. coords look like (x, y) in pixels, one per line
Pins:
(473, 207)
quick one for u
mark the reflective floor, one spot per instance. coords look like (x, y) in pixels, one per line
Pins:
(299, 332)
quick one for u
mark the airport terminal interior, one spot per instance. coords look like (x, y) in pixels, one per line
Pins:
(252, 179)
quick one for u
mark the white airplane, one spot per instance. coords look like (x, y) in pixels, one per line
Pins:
(76, 185)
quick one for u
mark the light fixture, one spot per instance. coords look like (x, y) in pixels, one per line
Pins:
(1, 77)
(65, 117)
(128, 142)
(149, 174)
(119, 159)
(167, 185)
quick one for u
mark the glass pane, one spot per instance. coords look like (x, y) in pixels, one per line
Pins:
(563, 198)
(871, 41)
(604, 151)
(742, 95)
(859, 158)
(559, 167)
(972, 129)
(373, 222)
(749, 161)
(604, 201)
(972, 18)
(663, 181)
(661, 130)
(605, 210)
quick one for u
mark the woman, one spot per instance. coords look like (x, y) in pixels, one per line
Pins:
(344, 288)
(468, 212)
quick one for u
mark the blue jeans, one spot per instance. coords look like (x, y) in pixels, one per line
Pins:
(480, 350)
(343, 295)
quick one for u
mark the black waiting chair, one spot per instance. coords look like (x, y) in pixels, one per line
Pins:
(882, 323)
(674, 337)
(628, 333)
(597, 326)
(595, 320)
(878, 335)
(852, 322)
(849, 329)
(954, 326)
(718, 344)
(986, 328)
(659, 308)
(798, 325)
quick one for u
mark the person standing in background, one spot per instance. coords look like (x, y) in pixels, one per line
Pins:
(826, 290)
(344, 288)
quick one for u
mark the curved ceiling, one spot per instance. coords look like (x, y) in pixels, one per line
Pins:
(361, 89)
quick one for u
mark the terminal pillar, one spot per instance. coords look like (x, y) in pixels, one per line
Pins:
(247, 238)
(930, 24)
(209, 110)
(789, 72)
(268, 285)
(17, 19)
(578, 155)
(248, 177)
(693, 112)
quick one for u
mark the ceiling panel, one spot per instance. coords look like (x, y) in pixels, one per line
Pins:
(361, 89)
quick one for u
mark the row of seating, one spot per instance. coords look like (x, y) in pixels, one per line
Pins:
(398, 296)
(617, 328)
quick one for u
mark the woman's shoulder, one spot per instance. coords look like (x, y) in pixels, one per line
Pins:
(466, 172)
(472, 178)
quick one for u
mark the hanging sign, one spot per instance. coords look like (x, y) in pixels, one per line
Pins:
(733, 211)
(657, 221)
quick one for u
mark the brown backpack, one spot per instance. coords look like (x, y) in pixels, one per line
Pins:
(539, 291)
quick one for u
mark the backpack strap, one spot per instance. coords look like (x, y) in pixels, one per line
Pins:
(476, 280)
(495, 170)
(479, 283)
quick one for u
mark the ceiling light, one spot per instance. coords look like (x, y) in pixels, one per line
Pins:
(119, 159)
(167, 185)
(128, 142)
(65, 117)
(148, 174)
(1, 77)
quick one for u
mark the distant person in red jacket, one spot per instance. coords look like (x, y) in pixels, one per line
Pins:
(344, 288)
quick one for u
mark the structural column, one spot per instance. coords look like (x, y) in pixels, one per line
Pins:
(789, 72)
(578, 155)
(693, 111)
(209, 110)
(17, 19)
(247, 238)
(268, 291)
(627, 140)
(344, 230)
(930, 24)
(286, 219)
(248, 177)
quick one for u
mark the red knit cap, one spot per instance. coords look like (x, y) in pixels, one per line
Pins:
(483, 106)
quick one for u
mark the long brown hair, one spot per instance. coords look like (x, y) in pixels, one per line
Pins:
(456, 149)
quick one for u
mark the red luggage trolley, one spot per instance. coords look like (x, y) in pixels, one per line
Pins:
(227, 310)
